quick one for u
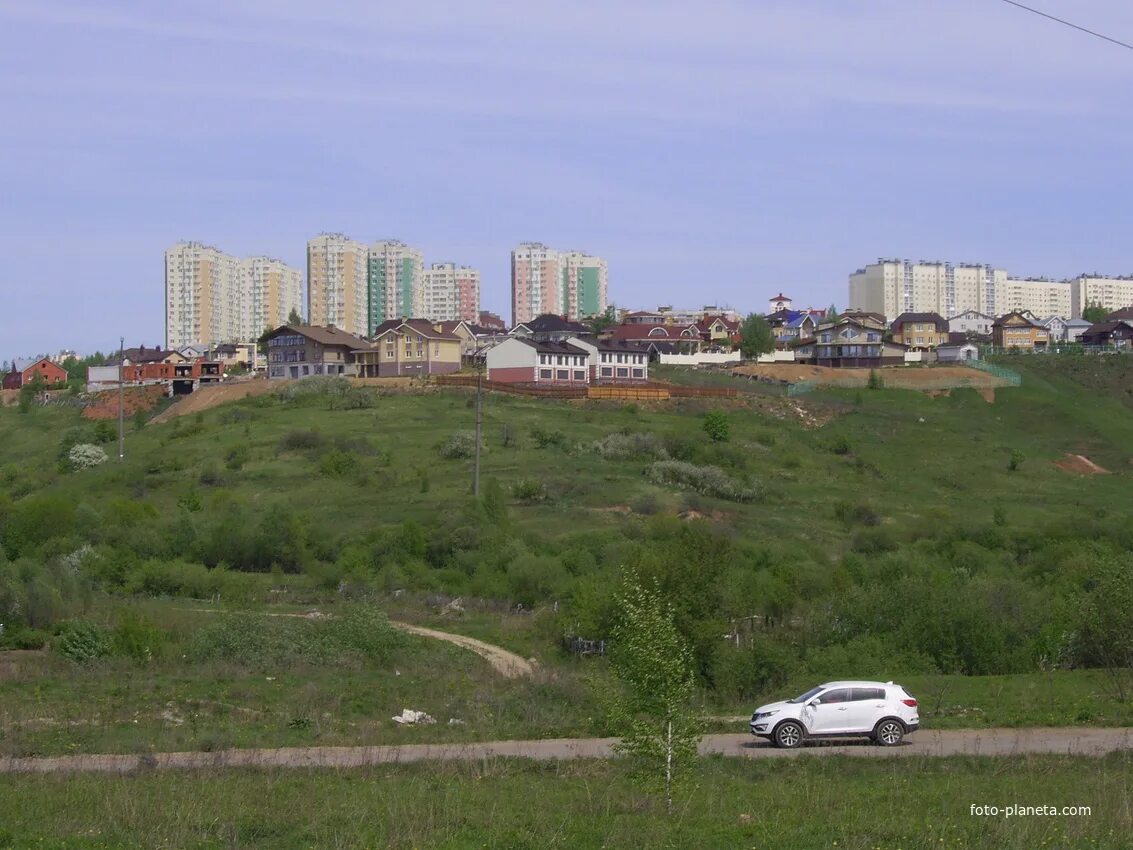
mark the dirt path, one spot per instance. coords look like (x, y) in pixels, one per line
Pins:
(972, 742)
(506, 663)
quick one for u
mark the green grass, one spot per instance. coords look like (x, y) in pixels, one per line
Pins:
(805, 803)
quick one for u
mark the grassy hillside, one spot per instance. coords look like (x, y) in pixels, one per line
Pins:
(868, 533)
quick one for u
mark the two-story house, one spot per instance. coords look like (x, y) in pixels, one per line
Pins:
(615, 362)
(1016, 330)
(719, 330)
(1117, 334)
(298, 351)
(851, 342)
(971, 323)
(550, 328)
(408, 347)
(920, 331)
(25, 371)
(520, 360)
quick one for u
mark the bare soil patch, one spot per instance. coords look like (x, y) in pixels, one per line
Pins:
(1080, 465)
(207, 398)
(104, 405)
(894, 377)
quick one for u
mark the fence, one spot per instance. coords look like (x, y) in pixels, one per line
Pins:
(1013, 378)
(704, 358)
(652, 391)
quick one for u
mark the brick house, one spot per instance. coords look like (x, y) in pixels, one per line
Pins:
(615, 362)
(550, 328)
(850, 342)
(524, 361)
(298, 351)
(719, 330)
(408, 347)
(685, 335)
(25, 371)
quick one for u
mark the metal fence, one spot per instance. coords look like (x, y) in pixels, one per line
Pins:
(1013, 378)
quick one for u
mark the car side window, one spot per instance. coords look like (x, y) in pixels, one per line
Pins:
(862, 694)
(840, 695)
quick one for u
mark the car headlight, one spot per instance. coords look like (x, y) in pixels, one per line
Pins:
(760, 715)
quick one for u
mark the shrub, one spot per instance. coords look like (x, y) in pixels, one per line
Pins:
(301, 440)
(355, 398)
(1015, 461)
(237, 456)
(316, 388)
(104, 432)
(875, 381)
(462, 444)
(625, 446)
(716, 426)
(82, 641)
(706, 480)
(86, 456)
(337, 463)
(137, 639)
(529, 491)
(211, 475)
(840, 446)
(549, 439)
(856, 514)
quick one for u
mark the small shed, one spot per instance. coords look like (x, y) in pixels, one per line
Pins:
(953, 352)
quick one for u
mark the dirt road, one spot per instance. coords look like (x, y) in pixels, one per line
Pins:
(972, 742)
(506, 663)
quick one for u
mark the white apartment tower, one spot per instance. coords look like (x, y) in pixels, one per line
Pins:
(206, 299)
(337, 289)
(451, 293)
(395, 277)
(1112, 293)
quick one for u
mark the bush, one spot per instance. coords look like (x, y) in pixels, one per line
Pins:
(137, 639)
(86, 456)
(355, 398)
(1015, 461)
(857, 514)
(237, 456)
(462, 444)
(301, 440)
(316, 388)
(549, 439)
(337, 463)
(875, 381)
(529, 491)
(706, 480)
(840, 446)
(82, 641)
(625, 446)
(104, 432)
(716, 426)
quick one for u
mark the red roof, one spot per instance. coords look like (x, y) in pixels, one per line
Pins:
(655, 332)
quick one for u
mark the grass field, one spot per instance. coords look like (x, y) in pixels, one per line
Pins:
(843, 802)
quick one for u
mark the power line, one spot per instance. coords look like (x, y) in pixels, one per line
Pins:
(1119, 43)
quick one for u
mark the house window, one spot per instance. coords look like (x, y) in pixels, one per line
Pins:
(389, 353)
(607, 372)
(639, 373)
(562, 374)
(545, 374)
(623, 372)
(580, 374)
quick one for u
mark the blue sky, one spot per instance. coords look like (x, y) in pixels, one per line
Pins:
(713, 152)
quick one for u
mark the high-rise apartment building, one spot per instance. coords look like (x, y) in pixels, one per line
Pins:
(276, 289)
(1112, 293)
(544, 280)
(451, 293)
(584, 285)
(212, 297)
(337, 283)
(395, 280)
(893, 287)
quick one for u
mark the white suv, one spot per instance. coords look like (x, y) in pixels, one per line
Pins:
(881, 711)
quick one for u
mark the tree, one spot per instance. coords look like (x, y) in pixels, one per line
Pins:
(831, 313)
(716, 426)
(293, 318)
(1104, 633)
(1095, 313)
(602, 321)
(755, 336)
(652, 708)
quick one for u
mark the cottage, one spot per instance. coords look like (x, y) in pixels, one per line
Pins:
(920, 331)
(25, 371)
(550, 328)
(851, 342)
(972, 323)
(1117, 334)
(299, 351)
(408, 347)
(719, 330)
(524, 361)
(1016, 330)
(687, 335)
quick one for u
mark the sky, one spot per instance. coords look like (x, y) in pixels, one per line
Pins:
(714, 152)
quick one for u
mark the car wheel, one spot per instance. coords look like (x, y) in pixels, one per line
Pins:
(788, 735)
(889, 733)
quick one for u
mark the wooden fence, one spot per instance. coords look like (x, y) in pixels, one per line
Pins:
(652, 391)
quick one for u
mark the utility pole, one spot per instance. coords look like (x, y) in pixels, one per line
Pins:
(121, 409)
(479, 396)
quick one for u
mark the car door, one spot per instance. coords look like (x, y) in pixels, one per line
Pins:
(828, 717)
(865, 708)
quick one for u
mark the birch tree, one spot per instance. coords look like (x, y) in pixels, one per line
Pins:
(652, 708)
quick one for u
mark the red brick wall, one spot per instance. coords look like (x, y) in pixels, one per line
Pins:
(513, 375)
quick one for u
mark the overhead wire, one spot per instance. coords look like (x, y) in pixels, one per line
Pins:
(1067, 23)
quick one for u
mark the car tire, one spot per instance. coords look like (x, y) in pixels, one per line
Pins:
(788, 735)
(889, 732)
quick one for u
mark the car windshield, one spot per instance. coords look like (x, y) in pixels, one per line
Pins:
(813, 692)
